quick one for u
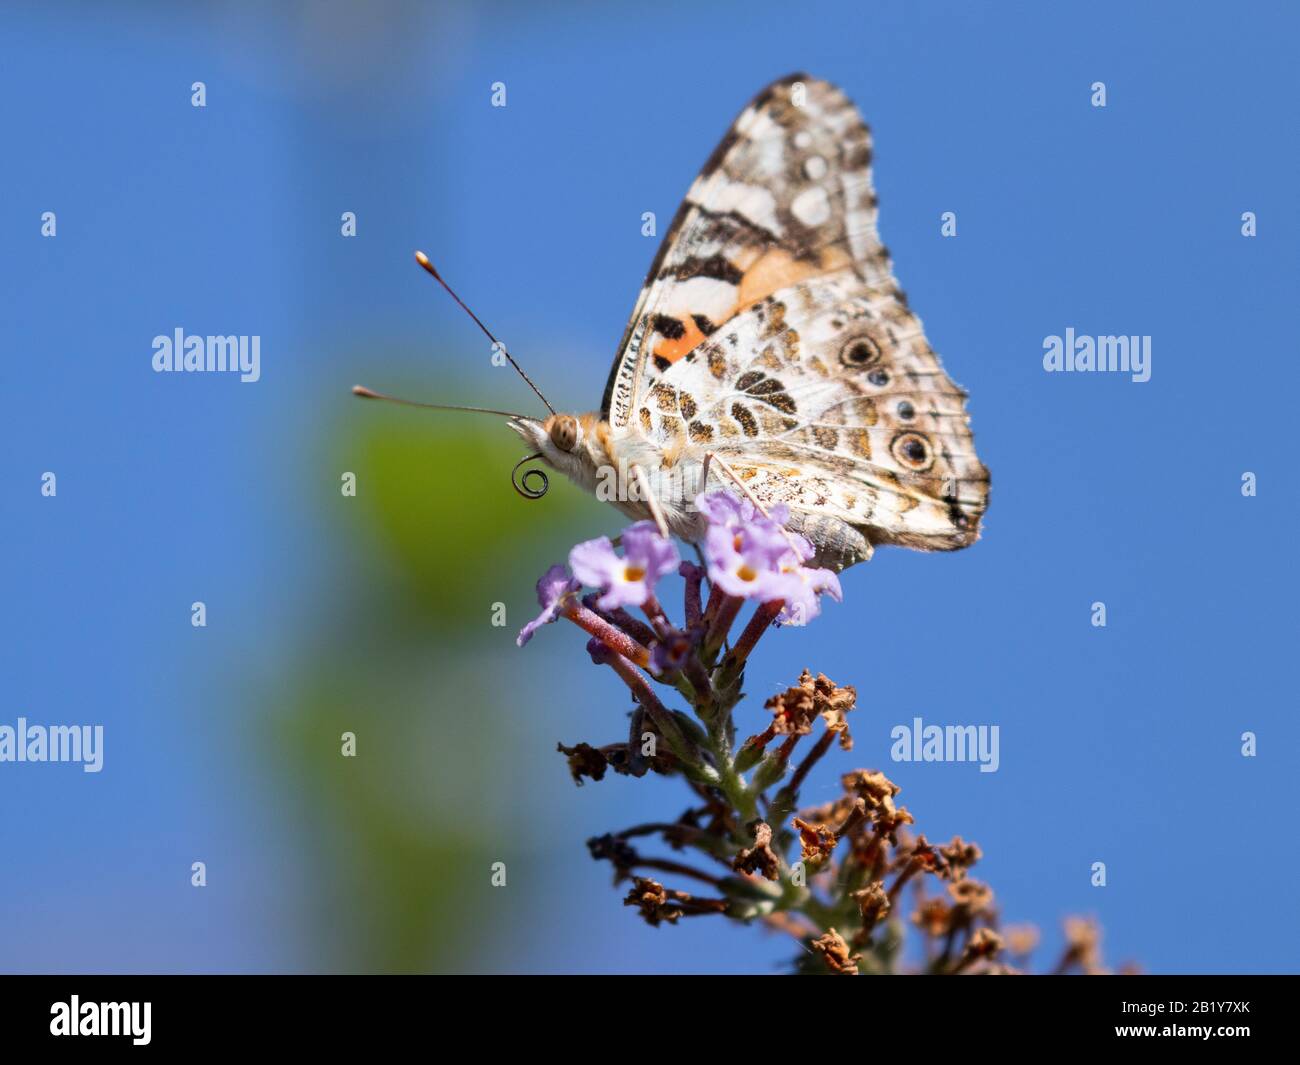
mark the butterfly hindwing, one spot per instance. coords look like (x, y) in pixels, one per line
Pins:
(826, 396)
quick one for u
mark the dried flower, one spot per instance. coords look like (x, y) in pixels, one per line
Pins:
(760, 858)
(983, 943)
(1021, 939)
(835, 953)
(874, 905)
(584, 761)
(933, 917)
(817, 842)
(794, 709)
(971, 896)
(658, 903)
(958, 856)
(1083, 940)
(877, 791)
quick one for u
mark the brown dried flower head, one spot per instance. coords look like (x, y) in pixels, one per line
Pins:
(874, 905)
(584, 761)
(817, 842)
(835, 953)
(760, 858)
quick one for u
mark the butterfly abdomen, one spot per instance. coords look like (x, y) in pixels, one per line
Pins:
(839, 545)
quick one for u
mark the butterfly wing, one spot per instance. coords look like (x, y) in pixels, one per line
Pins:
(826, 396)
(771, 332)
(786, 196)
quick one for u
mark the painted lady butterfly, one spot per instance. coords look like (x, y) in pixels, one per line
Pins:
(771, 345)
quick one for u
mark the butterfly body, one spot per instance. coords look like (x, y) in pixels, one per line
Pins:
(772, 345)
(602, 463)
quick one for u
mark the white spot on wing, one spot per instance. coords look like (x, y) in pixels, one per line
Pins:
(814, 168)
(756, 124)
(749, 201)
(812, 207)
(701, 295)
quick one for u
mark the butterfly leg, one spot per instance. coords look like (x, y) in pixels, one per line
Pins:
(744, 490)
(651, 500)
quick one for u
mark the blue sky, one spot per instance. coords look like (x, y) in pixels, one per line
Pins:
(1119, 744)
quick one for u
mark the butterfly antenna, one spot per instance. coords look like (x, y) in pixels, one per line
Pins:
(368, 393)
(524, 483)
(423, 260)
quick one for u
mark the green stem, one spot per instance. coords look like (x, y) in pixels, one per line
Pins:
(730, 782)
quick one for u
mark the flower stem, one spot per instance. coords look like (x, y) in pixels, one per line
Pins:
(659, 714)
(614, 638)
(694, 576)
(783, 804)
(758, 624)
(720, 625)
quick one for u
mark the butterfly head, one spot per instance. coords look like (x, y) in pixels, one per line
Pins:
(570, 443)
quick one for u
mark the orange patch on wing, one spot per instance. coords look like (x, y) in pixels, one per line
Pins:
(672, 350)
(770, 272)
(777, 268)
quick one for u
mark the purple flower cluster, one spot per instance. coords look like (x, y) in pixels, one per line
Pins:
(753, 556)
(748, 555)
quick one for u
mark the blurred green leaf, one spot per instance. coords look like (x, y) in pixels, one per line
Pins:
(402, 836)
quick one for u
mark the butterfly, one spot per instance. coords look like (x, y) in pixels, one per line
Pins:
(772, 351)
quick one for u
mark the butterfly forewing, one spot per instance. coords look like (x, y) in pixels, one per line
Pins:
(786, 196)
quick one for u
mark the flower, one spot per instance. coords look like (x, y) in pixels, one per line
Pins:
(802, 588)
(655, 901)
(971, 896)
(630, 580)
(835, 953)
(817, 842)
(742, 561)
(873, 904)
(958, 856)
(742, 547)
(673, 649)
(555, 587)
(1021, 939)
(760, 858)
(753, 556)
(584, 761)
